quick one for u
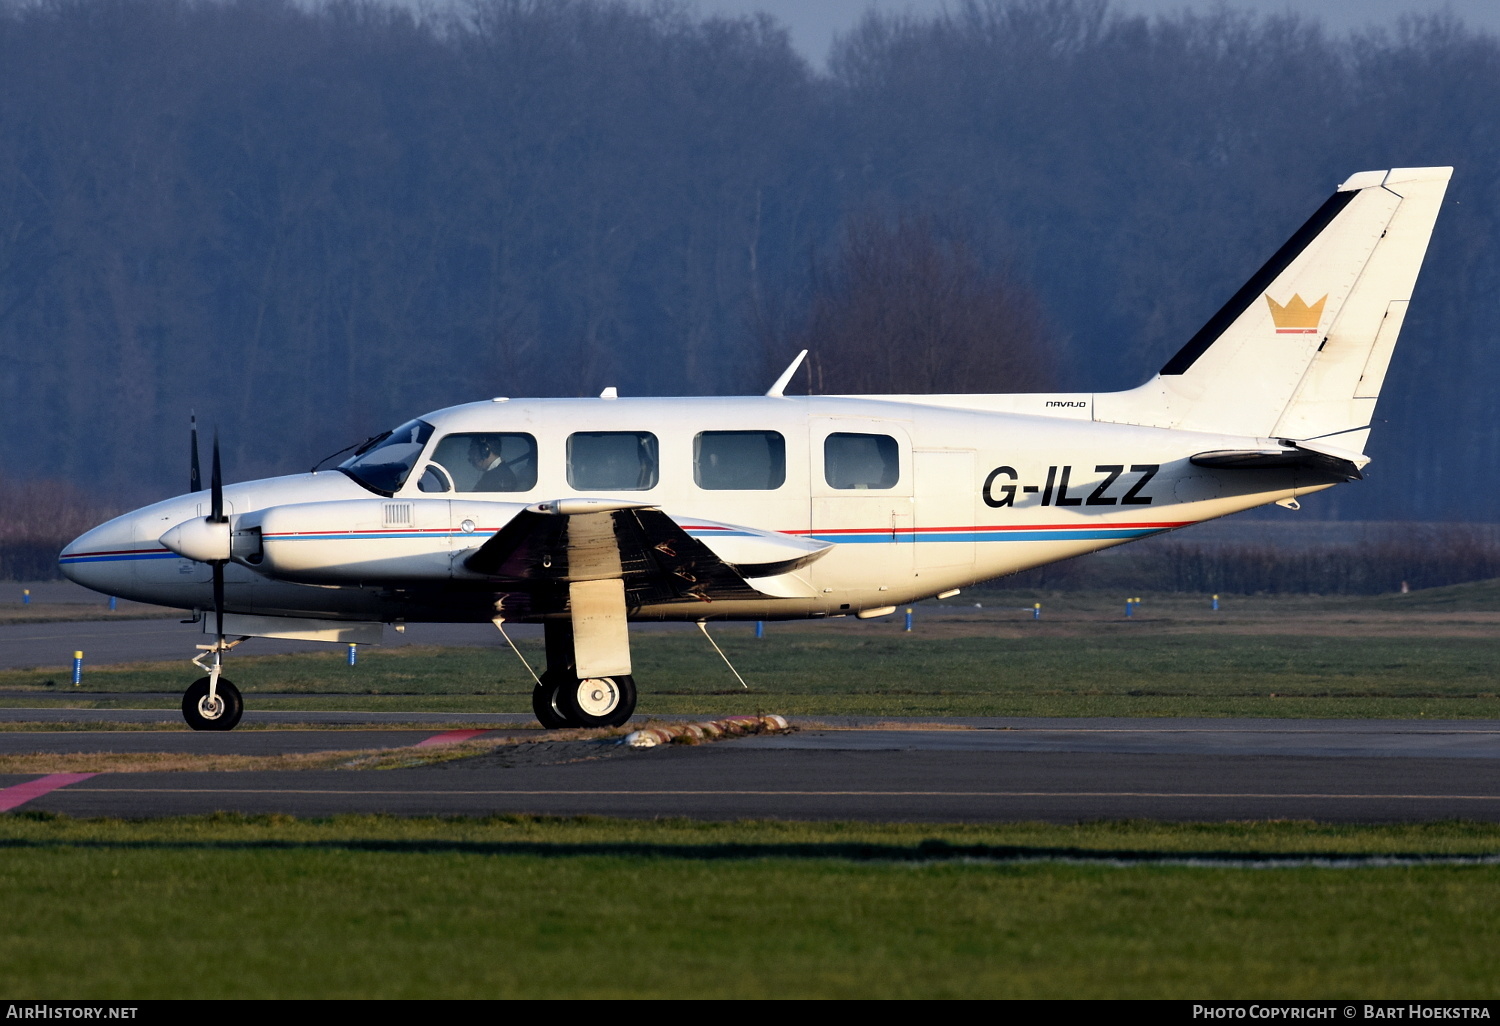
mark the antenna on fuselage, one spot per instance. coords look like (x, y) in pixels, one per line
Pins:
(776, 390)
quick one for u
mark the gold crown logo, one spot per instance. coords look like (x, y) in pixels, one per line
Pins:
(1296, 317)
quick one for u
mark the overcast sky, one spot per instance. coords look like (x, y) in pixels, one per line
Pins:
(814, 23)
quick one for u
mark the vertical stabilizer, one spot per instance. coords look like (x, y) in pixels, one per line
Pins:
(1301, 350)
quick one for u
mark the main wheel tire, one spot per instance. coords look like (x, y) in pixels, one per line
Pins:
(545, 704)
(598, 701)
(223, 714)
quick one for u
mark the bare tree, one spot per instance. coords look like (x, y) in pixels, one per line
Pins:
(910, 307)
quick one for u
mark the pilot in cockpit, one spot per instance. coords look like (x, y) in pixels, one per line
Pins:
(495, 475)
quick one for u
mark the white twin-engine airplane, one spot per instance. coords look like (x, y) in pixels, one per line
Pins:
(584, 514)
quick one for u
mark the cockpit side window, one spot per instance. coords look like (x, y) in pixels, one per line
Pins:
(489, 461)
(384, 466)
(612, 461)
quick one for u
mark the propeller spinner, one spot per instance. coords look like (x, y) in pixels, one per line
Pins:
(205, 539)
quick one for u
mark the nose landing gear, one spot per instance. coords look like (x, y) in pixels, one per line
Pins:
(220, 710)
(213, 702)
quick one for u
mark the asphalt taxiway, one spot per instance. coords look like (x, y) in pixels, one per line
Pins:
(954, 770)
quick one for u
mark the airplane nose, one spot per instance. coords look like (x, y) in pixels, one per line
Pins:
(100, 559)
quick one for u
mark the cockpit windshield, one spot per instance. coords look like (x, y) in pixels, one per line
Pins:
(383, 467)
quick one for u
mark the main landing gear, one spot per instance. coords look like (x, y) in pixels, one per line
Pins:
(563, 699)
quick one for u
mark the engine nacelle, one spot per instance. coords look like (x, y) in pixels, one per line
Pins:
(372, 540)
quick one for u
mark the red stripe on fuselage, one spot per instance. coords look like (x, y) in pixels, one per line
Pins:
(1108, 526)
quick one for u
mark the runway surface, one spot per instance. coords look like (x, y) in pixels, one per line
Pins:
(171, 717)
(987, 769)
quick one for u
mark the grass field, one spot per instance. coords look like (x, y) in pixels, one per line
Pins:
(520, 907)
(1430, 654)
(54, 612)
(230, 906)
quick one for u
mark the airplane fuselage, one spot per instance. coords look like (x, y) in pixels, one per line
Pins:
(915, 499)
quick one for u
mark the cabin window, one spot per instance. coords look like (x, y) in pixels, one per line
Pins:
(749, 460)
(482, 461)
(612, 461)
(383, 464)
(861, 461)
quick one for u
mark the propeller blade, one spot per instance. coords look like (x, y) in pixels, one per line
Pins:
(196, 484)
(219, 599)
(216, 483)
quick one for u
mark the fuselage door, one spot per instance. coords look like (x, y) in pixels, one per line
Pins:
(861, 487)
(946, 496)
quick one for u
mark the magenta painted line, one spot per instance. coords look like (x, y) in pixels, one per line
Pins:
(450, 737)
(20, 794)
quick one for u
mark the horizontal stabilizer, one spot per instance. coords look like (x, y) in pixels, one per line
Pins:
(1325, 459)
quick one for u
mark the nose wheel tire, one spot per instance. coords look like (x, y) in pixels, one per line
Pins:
(220, 714)
(544, 701)
(598, 701)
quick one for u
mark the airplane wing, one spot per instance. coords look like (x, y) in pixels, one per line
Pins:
(659, 561)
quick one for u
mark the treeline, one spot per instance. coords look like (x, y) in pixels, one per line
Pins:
(36, 520)
(1418, 556)
(311, 222)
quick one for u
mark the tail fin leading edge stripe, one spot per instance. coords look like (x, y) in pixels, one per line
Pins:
(1252, 290)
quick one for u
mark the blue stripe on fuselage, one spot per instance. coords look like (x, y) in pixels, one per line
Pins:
(117, 558)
